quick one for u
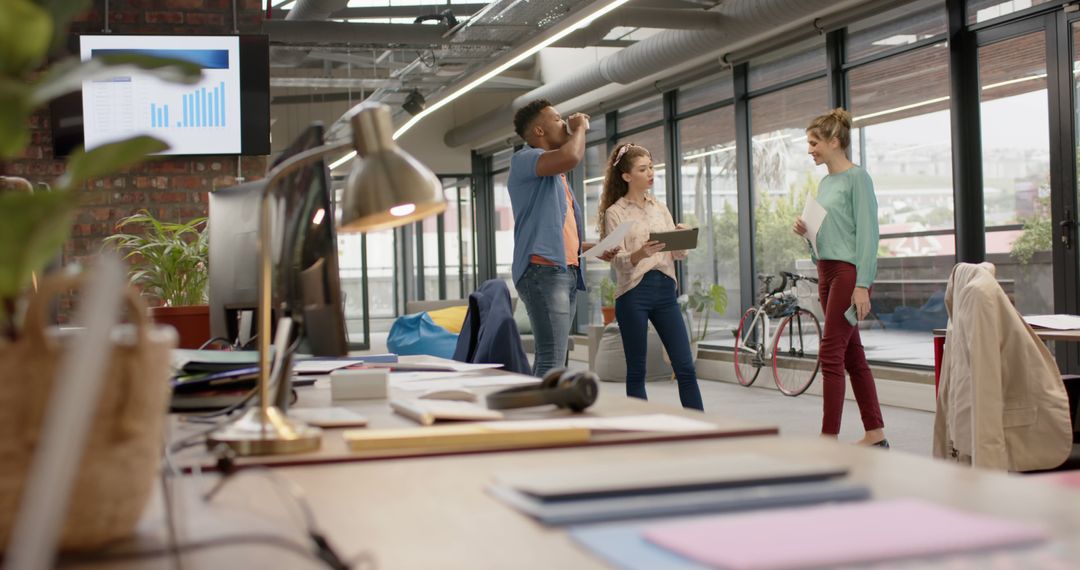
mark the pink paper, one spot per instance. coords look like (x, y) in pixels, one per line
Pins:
(832, 535)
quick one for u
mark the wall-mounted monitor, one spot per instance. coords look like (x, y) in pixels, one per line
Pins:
(226, 112)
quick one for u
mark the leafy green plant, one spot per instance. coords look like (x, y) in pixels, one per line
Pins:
(607, 292)
(704, 300)
(1038, 233)
(168, 260)
(34, 225)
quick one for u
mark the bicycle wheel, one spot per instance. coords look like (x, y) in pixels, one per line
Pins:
(749, 348)
(795, 352)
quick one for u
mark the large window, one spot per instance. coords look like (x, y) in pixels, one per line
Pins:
(1016, 168)
(982, 10)
(784, 175)
(891, 29)
(902, 137)
(710, 202)
(504, 229)
(595, 271)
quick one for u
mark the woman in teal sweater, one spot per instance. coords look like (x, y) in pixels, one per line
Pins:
(847, 244)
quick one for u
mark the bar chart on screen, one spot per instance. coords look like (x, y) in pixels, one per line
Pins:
(200, 118)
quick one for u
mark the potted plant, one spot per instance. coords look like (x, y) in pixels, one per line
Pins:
(115, 476)
(607, 299)
(34, 225)
(698, 305)
(169, 262)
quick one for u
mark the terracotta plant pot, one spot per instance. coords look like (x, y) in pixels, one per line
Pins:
(609, 314)
(192, 323)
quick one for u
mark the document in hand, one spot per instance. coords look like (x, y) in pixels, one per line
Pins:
(615, 238)
(813, 215)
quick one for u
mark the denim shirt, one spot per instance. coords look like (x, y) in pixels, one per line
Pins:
(539, 204)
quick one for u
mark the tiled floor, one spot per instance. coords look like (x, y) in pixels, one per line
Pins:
(908, 430)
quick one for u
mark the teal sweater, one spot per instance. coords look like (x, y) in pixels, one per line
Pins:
(850, 230)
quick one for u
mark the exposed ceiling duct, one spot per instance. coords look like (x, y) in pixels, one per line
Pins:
(311, 32)
(304, 10)
(742, 21)
(630, 17)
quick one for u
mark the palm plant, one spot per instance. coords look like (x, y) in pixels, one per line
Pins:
(168, 260)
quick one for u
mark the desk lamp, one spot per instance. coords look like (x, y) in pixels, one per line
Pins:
(386, 188)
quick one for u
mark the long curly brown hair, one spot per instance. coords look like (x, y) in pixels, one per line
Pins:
(620, 161)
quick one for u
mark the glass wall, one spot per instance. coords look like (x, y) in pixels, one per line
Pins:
(982, 10)
(709, 191)
(1014, 111)
(783, 173)
(504, 229)
(902, 137)
(595, 271)
(897, 84)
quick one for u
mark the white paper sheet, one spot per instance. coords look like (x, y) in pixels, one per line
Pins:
(1056, 322)
(651, 422)
(813, 215)
(613, 239)
(447, 383)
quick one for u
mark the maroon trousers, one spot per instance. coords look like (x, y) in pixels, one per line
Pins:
(842, 349)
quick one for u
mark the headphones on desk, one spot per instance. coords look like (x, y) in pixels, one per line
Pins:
(575, 390)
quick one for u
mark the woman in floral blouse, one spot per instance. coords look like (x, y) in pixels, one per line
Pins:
(645, 276)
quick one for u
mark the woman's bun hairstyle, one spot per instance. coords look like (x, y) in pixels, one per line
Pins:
(835, 124)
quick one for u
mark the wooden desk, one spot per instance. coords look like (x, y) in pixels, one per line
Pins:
(435, 513)
(611, 402)
(1045, 335)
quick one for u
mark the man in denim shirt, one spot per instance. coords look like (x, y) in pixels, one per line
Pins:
(548, 226)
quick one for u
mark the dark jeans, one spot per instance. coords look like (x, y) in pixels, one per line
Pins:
(654, 300)
(549, 293)
(842, 349)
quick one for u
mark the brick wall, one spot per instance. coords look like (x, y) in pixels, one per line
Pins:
(174, 189)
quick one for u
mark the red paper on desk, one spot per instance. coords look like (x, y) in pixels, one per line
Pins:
(834, 535)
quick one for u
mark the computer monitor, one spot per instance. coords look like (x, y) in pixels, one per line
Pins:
(306, 278)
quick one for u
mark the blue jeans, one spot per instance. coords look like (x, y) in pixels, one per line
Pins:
(653, 299)
(549, 293)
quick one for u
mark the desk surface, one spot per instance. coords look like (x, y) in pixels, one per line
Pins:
(610, 403)
(1044, 334)
(435, 513)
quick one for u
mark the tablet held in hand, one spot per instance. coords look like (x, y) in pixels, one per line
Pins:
(676, 240)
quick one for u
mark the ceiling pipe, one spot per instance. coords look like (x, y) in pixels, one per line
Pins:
(302, 10)
(283, 31)
(643, 18)
(745, 20)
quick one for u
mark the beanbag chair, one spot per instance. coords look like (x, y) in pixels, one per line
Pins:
(450, 318)
(418, 334)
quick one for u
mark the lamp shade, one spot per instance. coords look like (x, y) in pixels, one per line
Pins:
(386, 187)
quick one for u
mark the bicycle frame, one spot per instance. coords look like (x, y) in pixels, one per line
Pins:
(765, 350)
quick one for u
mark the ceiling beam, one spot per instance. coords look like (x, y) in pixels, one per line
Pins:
(412, 11)
(335, 82)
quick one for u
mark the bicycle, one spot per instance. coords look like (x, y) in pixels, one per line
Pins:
(792, 348)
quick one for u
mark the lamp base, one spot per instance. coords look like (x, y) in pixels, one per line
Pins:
(272, 434)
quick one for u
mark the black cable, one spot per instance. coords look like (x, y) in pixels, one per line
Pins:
(216, 339)
(286, 489)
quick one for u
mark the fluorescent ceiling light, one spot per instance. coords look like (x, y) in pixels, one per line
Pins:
(566, 30)
(897, 40)
(709, 152)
